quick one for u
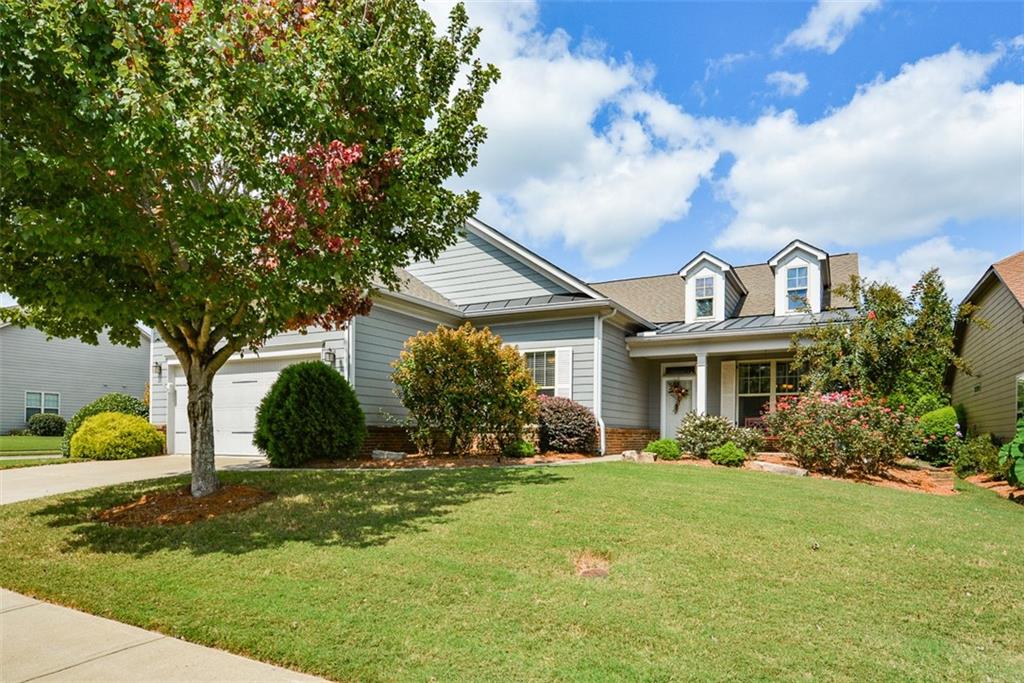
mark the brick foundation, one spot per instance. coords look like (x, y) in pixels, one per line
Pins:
(619, 439)
(387, 439)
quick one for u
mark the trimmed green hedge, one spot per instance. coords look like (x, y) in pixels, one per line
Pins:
(116, 436)
(47, 424)
(728, 454)
(110, 403)
(665, 449)
(940, 435)
(310, 413)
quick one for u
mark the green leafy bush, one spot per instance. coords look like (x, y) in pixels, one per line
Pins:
(978, 454)
(1011, 458)
(116, 436)
(109, 403)
(310, 413)
(665, 449)
(841, 432)
(566, 426)
(939, 436)
(463, 387)
(47, 424)
(728, 454)
(699, 434)
(751, 440)
(926, 404)
(519, 448)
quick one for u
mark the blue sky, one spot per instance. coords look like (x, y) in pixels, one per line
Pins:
(625, 137)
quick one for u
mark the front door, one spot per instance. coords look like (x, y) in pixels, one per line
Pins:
(676, 401)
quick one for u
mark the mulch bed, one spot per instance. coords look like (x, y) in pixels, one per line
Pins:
(417, 461)
(1000, 486)
(937, 481)
(167, 508)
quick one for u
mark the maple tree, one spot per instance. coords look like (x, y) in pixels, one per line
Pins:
(223, 171)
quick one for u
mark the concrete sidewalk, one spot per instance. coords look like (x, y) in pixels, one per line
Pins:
(44, 642)
(25, 483)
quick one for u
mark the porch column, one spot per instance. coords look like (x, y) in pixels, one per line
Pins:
(701, 402)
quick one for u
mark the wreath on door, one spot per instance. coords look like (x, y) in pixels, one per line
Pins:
(677, 391)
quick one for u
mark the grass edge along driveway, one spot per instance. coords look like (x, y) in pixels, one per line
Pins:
(467, 574)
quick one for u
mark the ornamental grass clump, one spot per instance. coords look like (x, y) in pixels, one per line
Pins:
(841, 433)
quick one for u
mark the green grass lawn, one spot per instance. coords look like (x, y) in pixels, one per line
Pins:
(17, 445)
(32, 462)
(466, 575)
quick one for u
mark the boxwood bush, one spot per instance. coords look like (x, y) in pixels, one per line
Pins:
(566, 426)
(978, 454)
(47, 424)
(939, 436)
(520, 448)
(728, 454)
(310, 413)
(699, 434)
(109, 403)
(665, 449)
(116, 436)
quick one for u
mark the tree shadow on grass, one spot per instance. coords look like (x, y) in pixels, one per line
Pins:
(328, 508)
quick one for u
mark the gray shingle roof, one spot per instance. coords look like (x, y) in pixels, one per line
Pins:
(413, 286)
(661, 298)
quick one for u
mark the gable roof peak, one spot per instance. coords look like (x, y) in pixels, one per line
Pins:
(705, 256)
(820, 254)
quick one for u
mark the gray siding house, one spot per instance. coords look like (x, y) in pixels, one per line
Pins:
(720, 332)
(62, 375)
(993, 393)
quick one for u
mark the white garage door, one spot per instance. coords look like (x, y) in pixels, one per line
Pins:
(238, 389)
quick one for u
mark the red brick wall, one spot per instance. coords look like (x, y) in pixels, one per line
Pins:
(619, 439)
(387, 439)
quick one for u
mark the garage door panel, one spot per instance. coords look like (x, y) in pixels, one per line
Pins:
(237, 391)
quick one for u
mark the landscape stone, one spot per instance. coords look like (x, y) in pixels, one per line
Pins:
(388, 455)
(776, 468)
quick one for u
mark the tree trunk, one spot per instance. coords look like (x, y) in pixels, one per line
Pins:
(200, 425)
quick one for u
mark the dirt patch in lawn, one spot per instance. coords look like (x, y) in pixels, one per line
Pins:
(934, 480)
(591, 564)
(417, 460)
(1000, 486)
(167, 508)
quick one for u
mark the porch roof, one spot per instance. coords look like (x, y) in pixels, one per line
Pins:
(751, 323)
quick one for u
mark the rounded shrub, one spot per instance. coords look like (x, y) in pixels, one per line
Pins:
(566, 426)
(47, 424)
(728, 454)
(116, 436)
(310, 413)
(750, 439)
(519, 448)
(979, 454)
(698, 434)
(665, 449)
(939, 435)
(109, 403)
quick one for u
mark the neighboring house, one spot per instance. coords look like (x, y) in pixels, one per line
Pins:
(40, 375)
(719, 332)
(993, 393)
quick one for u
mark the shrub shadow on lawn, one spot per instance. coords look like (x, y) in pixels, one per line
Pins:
(351, 509)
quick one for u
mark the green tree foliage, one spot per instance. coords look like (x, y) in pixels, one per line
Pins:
(225, 170)
(462, 385)
(310, 413)
(890, 345)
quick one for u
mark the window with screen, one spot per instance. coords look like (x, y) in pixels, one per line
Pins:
(705, 290)
(796, 288)
(542, 367)
(41, 402)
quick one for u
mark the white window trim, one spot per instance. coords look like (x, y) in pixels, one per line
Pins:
(563, 385)
(554, 354)
(697, 298)
(805, 288)
(42, 401)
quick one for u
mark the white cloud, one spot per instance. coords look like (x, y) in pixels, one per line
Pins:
(902, 158)
(828, 24)
(961, 267)
(579, 148)
(788, 84)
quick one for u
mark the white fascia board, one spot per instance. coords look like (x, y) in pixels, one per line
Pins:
(704, 256)
(538, 263)
(820, 254)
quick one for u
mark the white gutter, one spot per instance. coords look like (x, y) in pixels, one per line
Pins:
(598, 375)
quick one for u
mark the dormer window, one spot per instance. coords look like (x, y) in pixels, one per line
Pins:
(796, 288)
(705, 294)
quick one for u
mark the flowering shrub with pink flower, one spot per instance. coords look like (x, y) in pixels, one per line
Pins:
(842, 432)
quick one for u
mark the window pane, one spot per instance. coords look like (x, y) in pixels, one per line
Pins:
(750, 410)
(705, 308)
(796, 277)
(705, 286)
(755, 378)
(33, 399)
(1020, 397)
(797, 299)
(542, 367)
(787, 378)
(51, 401)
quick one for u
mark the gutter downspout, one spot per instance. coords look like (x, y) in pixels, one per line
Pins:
(599, 375)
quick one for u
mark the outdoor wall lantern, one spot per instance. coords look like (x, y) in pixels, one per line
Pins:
(327, 356)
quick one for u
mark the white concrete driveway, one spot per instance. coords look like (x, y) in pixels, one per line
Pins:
(25, 483)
